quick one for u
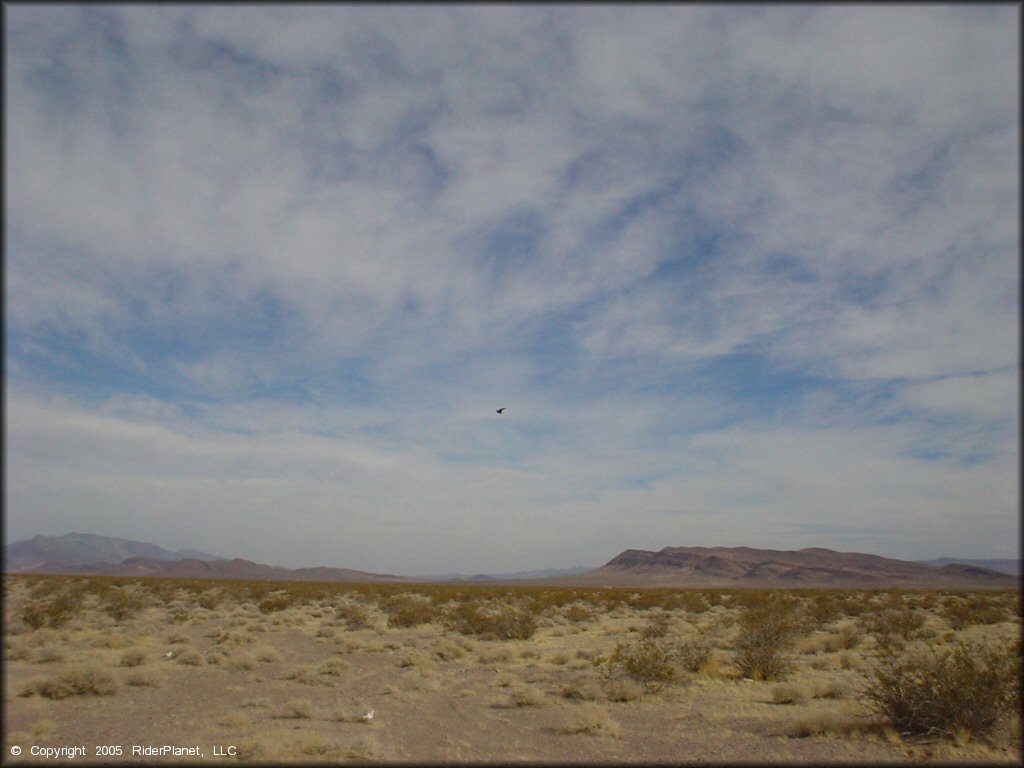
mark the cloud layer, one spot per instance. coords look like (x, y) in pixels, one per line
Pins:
(741, 276)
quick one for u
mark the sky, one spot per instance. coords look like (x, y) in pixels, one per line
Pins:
(741, 275)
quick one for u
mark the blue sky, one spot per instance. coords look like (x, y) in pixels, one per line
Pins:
(741, 275)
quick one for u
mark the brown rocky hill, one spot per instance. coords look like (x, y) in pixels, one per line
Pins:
(747, 567)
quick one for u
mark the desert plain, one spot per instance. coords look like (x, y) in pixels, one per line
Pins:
(462, 673)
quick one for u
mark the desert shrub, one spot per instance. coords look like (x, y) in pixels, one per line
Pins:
(844, 639)
(967, 689)
(408, 610)
(54, 611)
(230, 639)
(892, 627)
(493, 620)
(275, 601)
(767, 628)
(123, 602)
(578, 613)
(692, 602)
(822, 609)
(87, 680)
(657, 626)
(961, 613)
(353, 615)
(210, 599)
(646, 661)
(694, 654)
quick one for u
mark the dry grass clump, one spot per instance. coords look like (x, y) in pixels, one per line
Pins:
(583, 688)
(132, 658)
(307, 676)
(788, 694)
(297, 709)
(47, 654)
(965, 690)
(87, 680)
(832, 724)
(622, 689)
(363, 749)
(191, 658)
(141, 678)
(240, 662)
(234, 639)
(235, 720)
(266, 653)
(590, 718)
(447, 651)
(525, 696)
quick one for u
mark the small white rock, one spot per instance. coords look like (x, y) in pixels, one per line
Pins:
(367, 717)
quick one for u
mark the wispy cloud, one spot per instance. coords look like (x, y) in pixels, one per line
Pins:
(740, 271)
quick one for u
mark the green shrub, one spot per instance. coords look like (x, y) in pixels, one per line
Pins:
(964, 690)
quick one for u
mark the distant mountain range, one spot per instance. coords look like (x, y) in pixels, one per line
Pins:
(78, 553)
(545, 573)
(768, 568)
(87, 548)
(1011, 567)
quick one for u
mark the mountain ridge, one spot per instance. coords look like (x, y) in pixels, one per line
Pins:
(672, 567)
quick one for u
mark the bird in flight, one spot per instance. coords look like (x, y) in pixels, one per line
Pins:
(500, 410)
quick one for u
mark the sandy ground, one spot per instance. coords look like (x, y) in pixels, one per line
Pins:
(293, 685)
